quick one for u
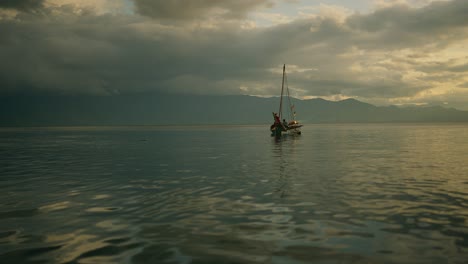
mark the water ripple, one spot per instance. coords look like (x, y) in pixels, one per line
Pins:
(337, 194)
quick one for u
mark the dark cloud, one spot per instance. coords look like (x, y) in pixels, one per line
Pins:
(63, 52)
(87, 54)
(432, 18)
(459, 68)
(197, 9)
(21, 4)
(400, 26)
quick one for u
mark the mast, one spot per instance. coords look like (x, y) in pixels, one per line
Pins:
(280, 113)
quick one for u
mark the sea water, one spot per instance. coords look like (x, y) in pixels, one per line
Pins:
(353, 193)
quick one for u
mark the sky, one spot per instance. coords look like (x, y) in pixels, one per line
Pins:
(383, 52)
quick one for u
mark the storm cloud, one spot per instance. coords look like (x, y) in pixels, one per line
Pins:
(196, 9)
(379, 57)
(401, 26)
(21, 4)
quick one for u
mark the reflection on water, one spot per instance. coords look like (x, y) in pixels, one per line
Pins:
(335, 194)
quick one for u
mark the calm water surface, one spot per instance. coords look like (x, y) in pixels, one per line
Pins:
(336, 194)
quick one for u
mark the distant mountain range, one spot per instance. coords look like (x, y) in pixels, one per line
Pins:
(158, 109)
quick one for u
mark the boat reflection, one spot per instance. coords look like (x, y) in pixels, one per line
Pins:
(284, 156)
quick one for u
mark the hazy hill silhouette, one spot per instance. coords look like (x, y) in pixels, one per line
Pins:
(159, 109)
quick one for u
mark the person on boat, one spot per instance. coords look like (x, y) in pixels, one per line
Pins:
(285, 124)
(277, 119)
